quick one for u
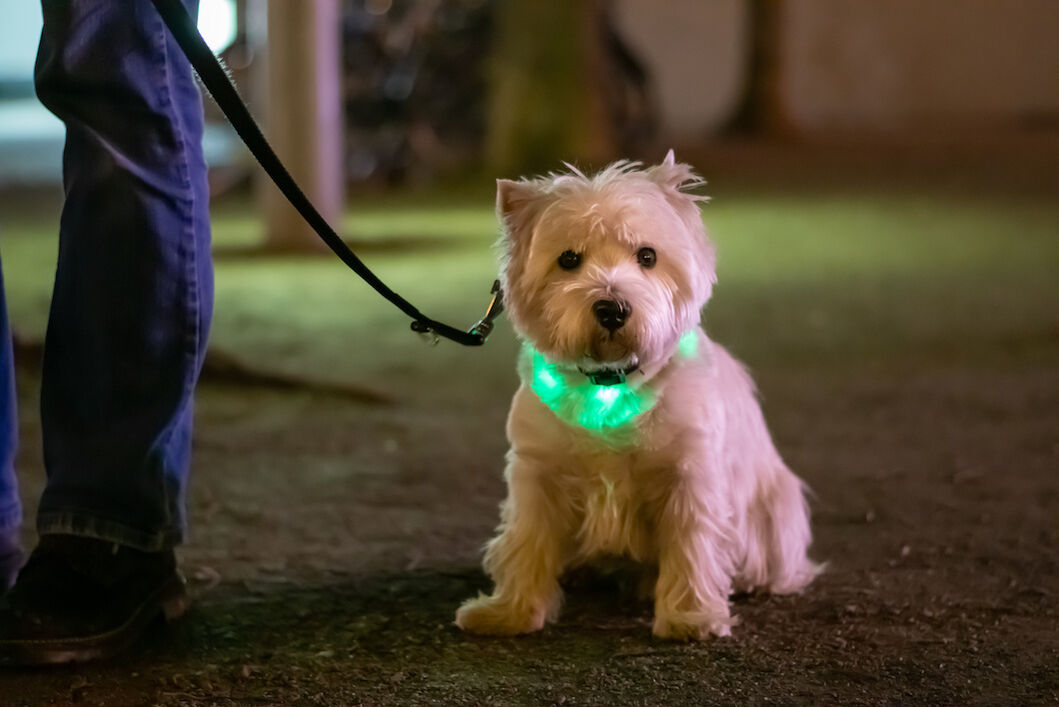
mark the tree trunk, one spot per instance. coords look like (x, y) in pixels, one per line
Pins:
(548, 99)
(762, 110)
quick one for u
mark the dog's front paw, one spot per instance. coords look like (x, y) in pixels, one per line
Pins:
(692, 626)
(489, 616)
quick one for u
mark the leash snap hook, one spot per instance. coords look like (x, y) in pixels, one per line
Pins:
(484, 327)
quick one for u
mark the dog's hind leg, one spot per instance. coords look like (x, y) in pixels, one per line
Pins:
(777, 536)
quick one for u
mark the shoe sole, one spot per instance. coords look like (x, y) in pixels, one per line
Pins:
(170, 601)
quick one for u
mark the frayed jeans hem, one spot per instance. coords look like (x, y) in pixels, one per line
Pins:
(84, 525)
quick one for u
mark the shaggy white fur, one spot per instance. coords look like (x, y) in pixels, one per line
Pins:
(689, 483)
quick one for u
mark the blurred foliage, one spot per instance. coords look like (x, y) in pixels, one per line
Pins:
(434, 87)
(439, 88)
(414, 86)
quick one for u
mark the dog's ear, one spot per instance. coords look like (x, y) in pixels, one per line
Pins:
(518, 204)
(675, 177)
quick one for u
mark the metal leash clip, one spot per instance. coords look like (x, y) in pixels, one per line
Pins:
(484, 327)
(476, 335)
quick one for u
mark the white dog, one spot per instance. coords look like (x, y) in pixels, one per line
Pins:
(632, 433)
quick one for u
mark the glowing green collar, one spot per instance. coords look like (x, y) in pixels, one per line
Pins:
(597, 408)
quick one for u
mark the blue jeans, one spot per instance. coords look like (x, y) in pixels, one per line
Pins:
(133, 291)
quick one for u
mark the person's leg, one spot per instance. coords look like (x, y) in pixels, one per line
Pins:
(10, 505)
(133, 288)
(126, 334)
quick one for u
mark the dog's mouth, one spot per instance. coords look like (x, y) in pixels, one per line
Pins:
(608, 349)
(608, 358)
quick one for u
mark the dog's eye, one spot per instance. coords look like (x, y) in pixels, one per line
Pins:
(568, 260)
(646, 257)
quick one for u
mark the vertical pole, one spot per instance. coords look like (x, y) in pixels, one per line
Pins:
(303, 115)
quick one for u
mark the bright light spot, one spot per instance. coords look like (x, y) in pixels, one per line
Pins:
(217, 23)
(689, 344)
(547, 379)
(610, 407)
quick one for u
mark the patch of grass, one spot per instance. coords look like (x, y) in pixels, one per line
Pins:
(834, 276)
(810, 276)
(373, 218)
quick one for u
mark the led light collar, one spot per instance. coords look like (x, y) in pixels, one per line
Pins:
(586, 401)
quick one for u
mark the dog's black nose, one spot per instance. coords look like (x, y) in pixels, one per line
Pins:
(611, 315)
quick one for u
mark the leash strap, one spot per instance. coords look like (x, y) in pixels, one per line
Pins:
(216, 80)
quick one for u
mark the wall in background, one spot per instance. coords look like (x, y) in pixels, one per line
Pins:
(868, 66)
(914, 65)
(694, 52)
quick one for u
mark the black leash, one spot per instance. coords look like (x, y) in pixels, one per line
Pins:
(213, 76)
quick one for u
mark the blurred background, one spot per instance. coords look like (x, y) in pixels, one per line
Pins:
(412, 93)
(396, 116)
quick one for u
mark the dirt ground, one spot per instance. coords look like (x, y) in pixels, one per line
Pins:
(334, 536)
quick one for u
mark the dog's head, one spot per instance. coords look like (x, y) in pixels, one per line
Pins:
(605, 272)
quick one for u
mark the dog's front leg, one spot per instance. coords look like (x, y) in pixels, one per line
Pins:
(525, 559)
(694, 563)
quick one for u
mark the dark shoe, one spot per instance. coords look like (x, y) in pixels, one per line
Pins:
(80, 599)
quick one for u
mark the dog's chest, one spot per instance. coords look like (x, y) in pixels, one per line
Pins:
(612, 522)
